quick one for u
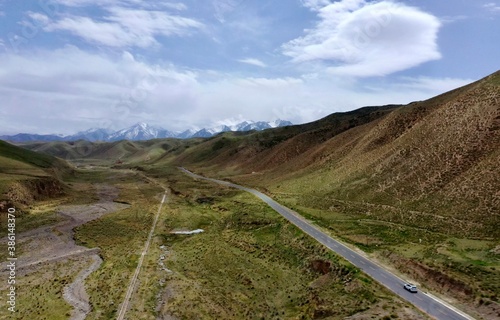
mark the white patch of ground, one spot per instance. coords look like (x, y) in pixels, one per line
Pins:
(188, 232)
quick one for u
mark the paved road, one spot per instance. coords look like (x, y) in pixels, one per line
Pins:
(131, 287)
(424, 301)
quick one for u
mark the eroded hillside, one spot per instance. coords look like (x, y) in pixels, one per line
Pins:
(438, 157)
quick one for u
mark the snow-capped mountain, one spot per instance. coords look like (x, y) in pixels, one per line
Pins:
(143, 131)
(203, 133)
(93, 134)
(280, 123)
(208, 132)
(185, 134)
(260, 125)
(140, 131)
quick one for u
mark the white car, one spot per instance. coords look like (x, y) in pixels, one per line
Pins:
(410, 287)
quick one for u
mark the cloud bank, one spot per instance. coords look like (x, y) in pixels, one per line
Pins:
(361, 38)
(71, 89)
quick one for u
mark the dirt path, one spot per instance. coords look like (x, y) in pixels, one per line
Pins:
(124, 306)
(52, 243)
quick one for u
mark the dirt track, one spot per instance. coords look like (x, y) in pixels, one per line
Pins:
(56, 243)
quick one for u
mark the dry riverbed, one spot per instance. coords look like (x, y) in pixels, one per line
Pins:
(55, 245)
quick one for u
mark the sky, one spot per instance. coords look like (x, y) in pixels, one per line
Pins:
(71, 65)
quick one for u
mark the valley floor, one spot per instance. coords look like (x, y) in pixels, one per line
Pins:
(249, 263)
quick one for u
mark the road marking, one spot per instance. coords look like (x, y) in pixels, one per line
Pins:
(131, 287)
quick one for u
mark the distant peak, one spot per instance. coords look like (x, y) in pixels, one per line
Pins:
(144, 131)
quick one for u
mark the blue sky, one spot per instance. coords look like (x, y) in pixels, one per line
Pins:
(69, 65)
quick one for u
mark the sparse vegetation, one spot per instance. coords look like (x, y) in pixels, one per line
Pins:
(414, 186)
(39, 294)
(120, 236)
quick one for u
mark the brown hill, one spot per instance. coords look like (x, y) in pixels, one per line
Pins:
(437, 158)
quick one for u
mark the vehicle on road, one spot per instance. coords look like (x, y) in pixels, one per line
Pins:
(410, 287)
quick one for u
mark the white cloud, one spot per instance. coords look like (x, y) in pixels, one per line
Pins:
(125, 27)
(38, 18)
(493, 7)
(67, 90)
(255, 62)
(107, 33)
(74, 89)
(359, 38)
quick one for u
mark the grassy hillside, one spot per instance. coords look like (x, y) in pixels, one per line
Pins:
(27, 175)
(438, 158)
(110, 152)
(272, 147)
(14, 154)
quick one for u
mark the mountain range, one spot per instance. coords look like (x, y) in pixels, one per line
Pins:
(143, 131)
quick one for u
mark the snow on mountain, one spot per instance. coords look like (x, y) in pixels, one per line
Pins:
(93, 134)
(219, 129)
(259, 125)
(203, 133)
(185, 134)
(240, 126)
(143, 131)
(280, 123)
(140, 131)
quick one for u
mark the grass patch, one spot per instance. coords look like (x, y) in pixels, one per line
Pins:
(39, 294)
(121, 237)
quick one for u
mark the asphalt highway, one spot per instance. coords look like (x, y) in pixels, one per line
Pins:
(429, 304)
